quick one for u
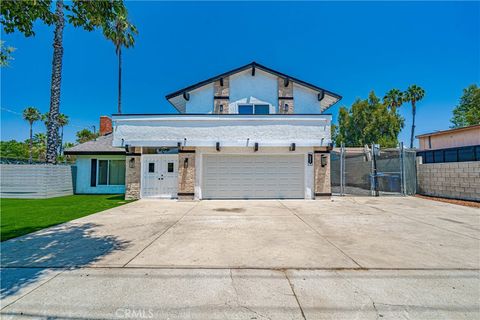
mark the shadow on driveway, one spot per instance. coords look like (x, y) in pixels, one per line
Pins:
(24, 260)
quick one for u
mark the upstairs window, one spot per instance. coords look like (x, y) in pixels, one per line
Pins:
(253, 109)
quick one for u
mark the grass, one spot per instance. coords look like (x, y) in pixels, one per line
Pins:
(22, 216)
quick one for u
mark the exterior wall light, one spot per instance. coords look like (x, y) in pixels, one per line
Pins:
(255, 148)
(185, 163)
(292, 147)
(323, 160)
(221, 108)
(285, 108)
(310, 159)
(217, 146)
(131, 163)
(179, 144)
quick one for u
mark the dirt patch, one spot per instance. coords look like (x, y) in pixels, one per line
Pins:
(236, 210)
(465, 203)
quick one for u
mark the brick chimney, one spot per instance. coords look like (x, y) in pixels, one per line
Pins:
(105, 125)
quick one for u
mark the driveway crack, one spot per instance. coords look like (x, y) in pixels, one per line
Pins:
(295, 295)
(321, 235)
(161, 234)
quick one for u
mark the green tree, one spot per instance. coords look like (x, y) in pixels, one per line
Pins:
(121, 33)
(5, 54)
(85, 135)
(413, 94)
(62, 122)
(40, 145)
(393, 99)
(14, 149)
(32, 115)
(368, 121)
(89, 15)
(467, 112)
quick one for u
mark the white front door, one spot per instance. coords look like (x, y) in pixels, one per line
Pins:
(159, 176)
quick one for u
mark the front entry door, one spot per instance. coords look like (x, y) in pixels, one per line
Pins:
(159, 176)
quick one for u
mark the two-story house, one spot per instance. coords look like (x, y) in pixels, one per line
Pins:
(249, 133)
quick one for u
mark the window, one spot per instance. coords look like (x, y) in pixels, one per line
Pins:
(170, 167)
(111, 172)
(253, 109)
(151, 167)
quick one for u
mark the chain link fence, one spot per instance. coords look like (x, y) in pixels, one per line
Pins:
(373, 171)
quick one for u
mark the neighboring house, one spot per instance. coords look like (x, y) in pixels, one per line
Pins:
(454, 145)
(100, 166)
(248, 133)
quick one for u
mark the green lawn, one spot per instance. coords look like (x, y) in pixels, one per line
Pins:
(22, 216)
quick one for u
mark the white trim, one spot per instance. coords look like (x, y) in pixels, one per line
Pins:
(326, 118)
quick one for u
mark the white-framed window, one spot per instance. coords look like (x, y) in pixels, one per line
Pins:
(111, 172)
(251, 108)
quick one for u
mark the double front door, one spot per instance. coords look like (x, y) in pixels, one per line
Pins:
(159, 176)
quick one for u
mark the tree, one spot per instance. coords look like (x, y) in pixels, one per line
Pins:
(5, 54)
(368, 121)
(393, 99)
(31, 114)
(121, 33)
(413, 94)
(40, 145)
(62, 122)
(85, 135)
(14, 149)
(89, 15)
(467, 112)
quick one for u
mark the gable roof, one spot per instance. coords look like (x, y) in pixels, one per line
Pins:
(101, 145)
(173, 97)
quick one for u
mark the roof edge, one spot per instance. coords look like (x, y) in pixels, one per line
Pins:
(446, 131)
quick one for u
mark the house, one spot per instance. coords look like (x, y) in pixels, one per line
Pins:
(248, 133)
(453, 145)
(100, 167)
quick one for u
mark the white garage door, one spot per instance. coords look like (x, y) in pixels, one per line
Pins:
(253, 176)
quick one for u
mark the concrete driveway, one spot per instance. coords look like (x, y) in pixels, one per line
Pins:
(347, 258)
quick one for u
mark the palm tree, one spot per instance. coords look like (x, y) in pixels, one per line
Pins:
(413, 94)
(62, 122)
(121, 34)
(31, 114)
(52, 125)
(393, 99)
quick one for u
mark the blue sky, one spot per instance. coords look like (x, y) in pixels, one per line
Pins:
(349, 48)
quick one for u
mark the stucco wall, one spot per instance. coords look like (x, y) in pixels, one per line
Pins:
(306, 100)
(458, 180)
(466, 137)
(262, 86)
(35, 181)
(201, 100)
(84, 164)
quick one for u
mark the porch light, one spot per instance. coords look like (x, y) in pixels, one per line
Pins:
(179, 144)
(221, 108)
(323, 160)
(292, 147)
(185, 163)
(217, 146)
(131, 163)
(255, 148)
(285, 108)
(310, 159)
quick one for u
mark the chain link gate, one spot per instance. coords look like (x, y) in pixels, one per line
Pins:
(373, 171)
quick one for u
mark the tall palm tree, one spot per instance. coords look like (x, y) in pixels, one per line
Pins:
(393, 99)
(31, 114)
(121, 33)
(52, 125)
(62, 122)
(413, 94)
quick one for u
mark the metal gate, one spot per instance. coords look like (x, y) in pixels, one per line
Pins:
(373, 171)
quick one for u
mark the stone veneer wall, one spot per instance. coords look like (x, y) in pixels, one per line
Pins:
(322, 175)
(285, 96)
(456, 180)
(186, 175)
(221, 96)
(133, 175)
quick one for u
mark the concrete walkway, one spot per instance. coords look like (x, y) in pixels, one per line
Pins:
(363, 258)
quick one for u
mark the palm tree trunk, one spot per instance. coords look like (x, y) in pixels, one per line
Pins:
(52, 132)
(61, 142)
(120, 80)
(413, 124)
(31, 143)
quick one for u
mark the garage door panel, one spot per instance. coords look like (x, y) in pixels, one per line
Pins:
(253, 176)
